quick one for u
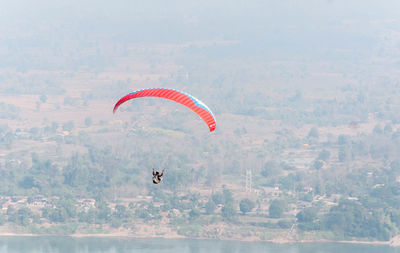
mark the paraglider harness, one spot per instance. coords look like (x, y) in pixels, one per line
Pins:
(157, 177)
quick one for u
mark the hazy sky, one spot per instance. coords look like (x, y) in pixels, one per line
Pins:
(212, 18)
(262, 27)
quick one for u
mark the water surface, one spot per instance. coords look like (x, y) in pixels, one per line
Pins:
(112, 245)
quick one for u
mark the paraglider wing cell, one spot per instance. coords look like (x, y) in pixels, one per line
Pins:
(180, 97)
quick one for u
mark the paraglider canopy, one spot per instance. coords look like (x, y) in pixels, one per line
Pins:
(180, 97)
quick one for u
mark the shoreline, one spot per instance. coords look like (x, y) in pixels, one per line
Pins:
(394, 242)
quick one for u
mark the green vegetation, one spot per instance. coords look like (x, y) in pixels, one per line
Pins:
(277, 208)
(246, 205)
(320, 137)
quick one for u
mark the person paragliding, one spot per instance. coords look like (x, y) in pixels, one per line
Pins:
(185, 99)
(157, 177)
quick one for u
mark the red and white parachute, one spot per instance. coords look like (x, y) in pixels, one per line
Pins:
(180, 97)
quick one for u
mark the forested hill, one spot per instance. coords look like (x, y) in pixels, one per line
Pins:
(306, 145)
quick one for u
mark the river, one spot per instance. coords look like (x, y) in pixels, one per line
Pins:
(59, 244)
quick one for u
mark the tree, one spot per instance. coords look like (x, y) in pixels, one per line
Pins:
(355, 220)
(43, 98)
(88, 217)
(68, 205)
(23, 216)
(271, 169)
(58, 215)
(344, 153)
(289, 182)
(324, 155)
(277, 208)
(217, 198)
(228, 197)
(318, 164)
(210, 206)
(313, 133)
(246, 205)
(194, 213)
(116, 222)
(27, 182)
(103, 213)
(307, 215)
(120, 211)
(11, 213)
(228, 211)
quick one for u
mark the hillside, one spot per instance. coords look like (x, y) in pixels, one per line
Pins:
(307, 141)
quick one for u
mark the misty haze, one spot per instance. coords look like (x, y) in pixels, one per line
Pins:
(305, 95)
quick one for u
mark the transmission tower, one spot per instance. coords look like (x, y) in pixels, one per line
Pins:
(248, 180)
